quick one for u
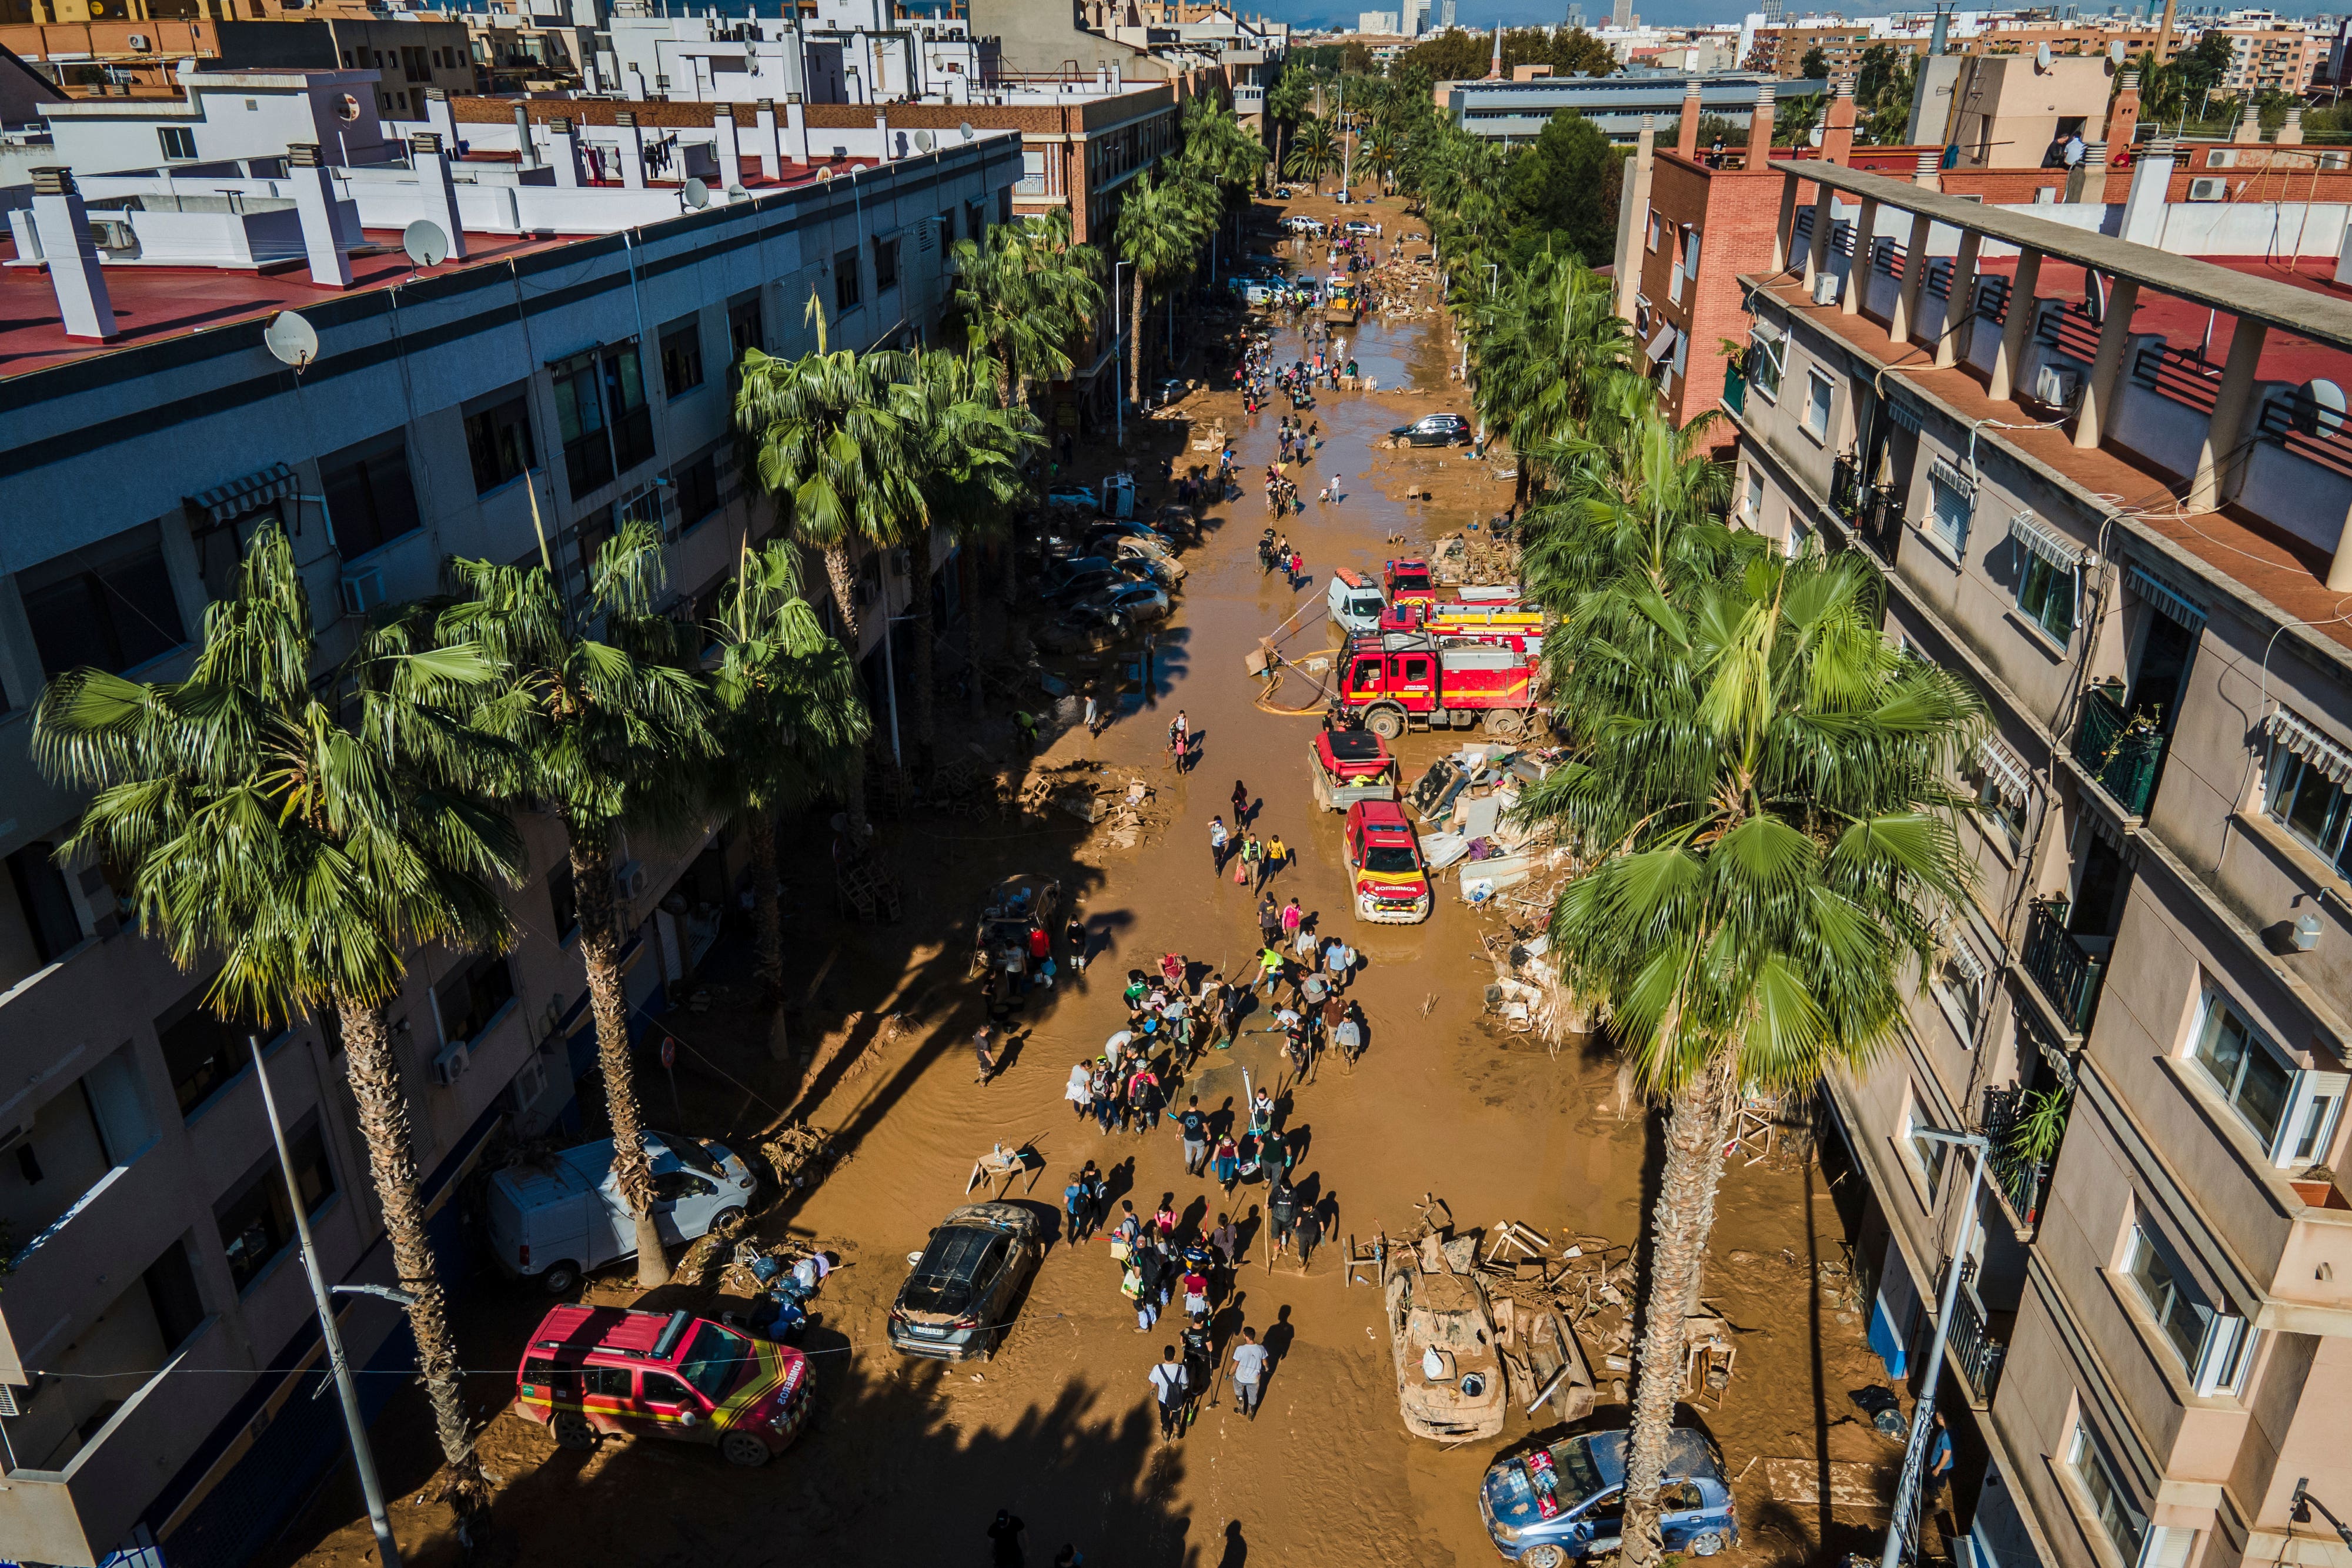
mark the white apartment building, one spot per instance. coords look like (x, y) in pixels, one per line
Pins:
(541, 385)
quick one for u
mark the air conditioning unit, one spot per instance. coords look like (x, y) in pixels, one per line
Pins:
(451, 1064)
(528, 1086)
(363, 589)
(138, 41)
(1825, 287)
(630, 881)
(2056, 384)
(15, 1398)
(2209, 190)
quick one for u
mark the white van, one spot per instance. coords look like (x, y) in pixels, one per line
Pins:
(1354, 602)
(554, 1222)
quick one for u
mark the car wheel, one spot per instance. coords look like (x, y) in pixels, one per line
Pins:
(743, 1448)
(1544, 1556)
(1386, 723)
(572, 1431)
(727, 1218)
(1706, 1544)
(560, 1279)
(1504, 723)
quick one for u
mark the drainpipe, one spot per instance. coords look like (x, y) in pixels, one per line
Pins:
(439, 191)
(314, 204)
(63, 223)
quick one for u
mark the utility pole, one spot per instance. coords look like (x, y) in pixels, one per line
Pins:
(1914, 1452)
(388, 1549)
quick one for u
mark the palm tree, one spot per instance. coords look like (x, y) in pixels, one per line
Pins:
(1314, 150)
(1027, 297)
(311, 855)
(1543, 342)
(600, 730)
(790, 721)
(1286, 103)
(1763, 779)
(1158, 234)
(965, 450)
(1383, 147)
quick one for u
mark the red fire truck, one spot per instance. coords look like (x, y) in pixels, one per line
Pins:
(1402, 680)
(1407, 579)
(1454, 621)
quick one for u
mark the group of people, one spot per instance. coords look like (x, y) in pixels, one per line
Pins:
(1254, 860)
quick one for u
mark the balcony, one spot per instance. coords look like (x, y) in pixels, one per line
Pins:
(2025, 1129)
(1735, 387)
(2069, 973)
(2121, 753)
(1971, 1344)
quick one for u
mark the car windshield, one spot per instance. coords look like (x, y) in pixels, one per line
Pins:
(690, 1154)
(1578, 1478)
(944, 1280)
(1411, 581)
(1394, 859)
(716, 1360)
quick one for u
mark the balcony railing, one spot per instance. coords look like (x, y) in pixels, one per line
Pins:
(2069, 974)
(2122, 754)
(2023, 1177)
(1735, 387)
(1973, 1347)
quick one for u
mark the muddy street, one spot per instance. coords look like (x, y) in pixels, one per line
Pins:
(907, 1461)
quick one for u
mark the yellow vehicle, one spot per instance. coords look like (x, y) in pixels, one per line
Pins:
(1341, 305)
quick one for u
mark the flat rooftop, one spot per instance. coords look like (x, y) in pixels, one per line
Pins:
(152, 303)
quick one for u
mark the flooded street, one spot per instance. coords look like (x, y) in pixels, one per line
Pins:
(908, 1462)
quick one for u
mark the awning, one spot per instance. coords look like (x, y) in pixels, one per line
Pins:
(1663, 344)
(2045, 541)
(2299, 738)
(1965, 960)
(1902, 414)
(224, 503)
(1949, 478)
(2170, 602)
(2005, 769)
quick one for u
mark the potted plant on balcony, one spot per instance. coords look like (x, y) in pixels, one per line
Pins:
(2316, 1187)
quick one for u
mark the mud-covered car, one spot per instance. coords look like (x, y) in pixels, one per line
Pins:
(1566, 1503)
(958, 1301)
(1441, 1333)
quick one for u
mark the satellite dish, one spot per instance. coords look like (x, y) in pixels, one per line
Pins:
(966, 130)
(295, 341)
(922, 142)
(737, 193)
(694, 194)
(426, 243)
(825, 176)
(2041, 58)
(2319, 408)
(2116, 52)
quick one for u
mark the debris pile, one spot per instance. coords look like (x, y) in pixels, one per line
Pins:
(798, 1154)
(1125, 808)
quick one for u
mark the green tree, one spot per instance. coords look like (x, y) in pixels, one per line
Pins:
(1563, 192)
(598, 729)
(1024, 296)
(1793, 119)
(1884, 86)
(1815, 66)
(1542, 342)
(790, 721)
(1314, 150)
(1159, 232)
(1762, 779)
(309, 847)
(1286, 105)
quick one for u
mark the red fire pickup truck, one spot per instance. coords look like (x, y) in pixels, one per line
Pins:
(1411, 680)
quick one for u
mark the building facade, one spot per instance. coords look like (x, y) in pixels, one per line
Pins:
(2116, 514)
(527, 401)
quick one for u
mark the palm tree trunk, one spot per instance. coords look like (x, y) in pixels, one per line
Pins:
(1135, 344)
(1679, 1228)
(967, 570)
(600, 945)
(373, 1069)
(844, 582)
(919, 588)
(767, 914)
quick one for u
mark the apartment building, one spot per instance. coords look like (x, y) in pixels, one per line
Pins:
(159, 1357)
(2279, 58)
(143, 59)
(2109, 482)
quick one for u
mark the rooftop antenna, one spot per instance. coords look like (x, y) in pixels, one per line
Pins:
(426, 246)
(694, 193)
(966, 130)
(291, 339)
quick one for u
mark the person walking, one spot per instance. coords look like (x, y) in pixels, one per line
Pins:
(1249, 1372)
(980, 1049)
(1261, 1113)
(1169, 1385)
(1281, 1214)
(1252, 862)
(1226, 1240)
(1196, 1292)
(1151, 1269)
(1074, 1204)
(1270, 921)
(1080, 1092)
(1199, 1362)
(1277, 855)
(1218, 839)
(1226, 1165)
(1075, 936)
(1005, 1541)
(1290, 918)
(1337, 959)
(1193, 1125)
(1232, 1000)
(1309, 1233)
(1241, 804)
(1348, 1037)
(1270, 963)
(1092, 1193)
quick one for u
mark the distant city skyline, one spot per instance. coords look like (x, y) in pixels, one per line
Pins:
(1481, 15)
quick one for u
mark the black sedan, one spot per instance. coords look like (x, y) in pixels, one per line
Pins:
(958, 1300)
(1434, 430)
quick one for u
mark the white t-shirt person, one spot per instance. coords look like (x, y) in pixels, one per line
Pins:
(1169, 1381)
(1249, 1361)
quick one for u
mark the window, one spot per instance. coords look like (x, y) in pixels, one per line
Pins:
(1794, 545)
(846, 293)
(602, 415)
(469, 1002)
(1752, 508)
(612, 1382)
(370, 500)
(1951, 503)
(2000, 804)
(976, 222)
(51, 920)
(257, 1223)
(220, 547)
(2299, 793)
(201, 1052)
(2111, 1505)
(886, 264)
(1960, 982)
(171, 1283)
(697, 489)
(1927, 1154)
(744, 329)
(178, 142)
(1033, 175)
(412, 63)
(2179, 1312)
(661, 1388)
(2045, 594)
(110, 605)
(2291, 1111)
(1657, 230)
(1768, 356)
(681, 356)
(498, 438)
(563, 901)
(1819, 391)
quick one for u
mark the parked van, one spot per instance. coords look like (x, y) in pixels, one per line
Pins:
(554, 1222)
(1354, 603)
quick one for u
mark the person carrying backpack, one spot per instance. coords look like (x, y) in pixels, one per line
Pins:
(1171, 1385)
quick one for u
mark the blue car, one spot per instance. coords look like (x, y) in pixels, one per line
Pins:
(1565, 1504)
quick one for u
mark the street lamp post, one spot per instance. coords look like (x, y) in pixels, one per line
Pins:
(363, 1457)
(1914, 1452)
